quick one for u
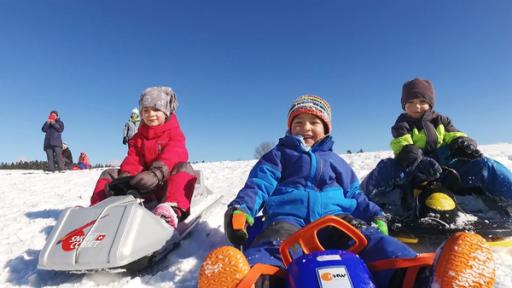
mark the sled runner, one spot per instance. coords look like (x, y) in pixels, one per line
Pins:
(119, 233)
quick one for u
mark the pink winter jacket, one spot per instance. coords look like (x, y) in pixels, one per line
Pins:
(164, 143)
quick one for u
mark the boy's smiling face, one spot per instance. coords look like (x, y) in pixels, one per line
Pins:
(152, 116)
(415, 108)
(309, 126)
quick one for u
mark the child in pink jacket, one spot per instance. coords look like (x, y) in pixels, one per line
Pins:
(157, 158)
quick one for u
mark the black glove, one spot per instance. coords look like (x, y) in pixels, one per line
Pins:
(464, 147)
(119, 186)
(235, 226)
(332, 238)
(408, 156)
(125, 140)
(356, 222)
(426, 170)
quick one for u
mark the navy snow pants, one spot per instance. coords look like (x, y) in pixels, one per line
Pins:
(265, 248)
(485, 173)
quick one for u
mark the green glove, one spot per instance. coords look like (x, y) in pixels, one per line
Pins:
(381, 225)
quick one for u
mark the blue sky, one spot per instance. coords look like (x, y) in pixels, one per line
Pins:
(237, 65)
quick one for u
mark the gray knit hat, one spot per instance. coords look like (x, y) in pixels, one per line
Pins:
(163, 98)
(418, 88)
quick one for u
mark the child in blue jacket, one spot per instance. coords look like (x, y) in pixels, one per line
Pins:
(302, 179)
(297, 182)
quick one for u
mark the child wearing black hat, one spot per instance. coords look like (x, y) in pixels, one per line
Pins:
(423, 140)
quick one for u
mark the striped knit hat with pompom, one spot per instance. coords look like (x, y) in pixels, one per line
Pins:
(314, 105)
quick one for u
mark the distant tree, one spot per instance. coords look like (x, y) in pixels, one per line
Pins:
(360, 151)
(38, 165)
(263, 148)
(99, 165)
(25, 165)
(349, 151)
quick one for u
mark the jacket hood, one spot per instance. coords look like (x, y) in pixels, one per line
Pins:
(151, 132)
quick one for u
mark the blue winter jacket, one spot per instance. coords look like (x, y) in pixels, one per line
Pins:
(298, 184)
(53, 137)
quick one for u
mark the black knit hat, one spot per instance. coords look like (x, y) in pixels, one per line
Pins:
(418, 88)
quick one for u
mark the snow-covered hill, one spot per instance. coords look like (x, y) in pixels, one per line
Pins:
(30, 203)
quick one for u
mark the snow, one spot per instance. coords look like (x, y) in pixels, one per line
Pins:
(31, 201)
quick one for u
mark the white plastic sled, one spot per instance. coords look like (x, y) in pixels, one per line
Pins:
(118, 234)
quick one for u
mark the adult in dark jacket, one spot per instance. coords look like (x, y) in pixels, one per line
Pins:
(53, 128)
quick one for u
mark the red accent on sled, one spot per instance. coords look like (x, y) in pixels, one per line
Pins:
(307, 237)
(73, 239)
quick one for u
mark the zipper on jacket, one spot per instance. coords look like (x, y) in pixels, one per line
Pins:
(310, 188)
(312, 171)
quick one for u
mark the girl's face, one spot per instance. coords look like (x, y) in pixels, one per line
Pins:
(415, 108)
(310, 127)
(153, 116)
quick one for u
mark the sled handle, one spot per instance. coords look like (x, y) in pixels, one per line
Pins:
(258, 270)
(307, 237)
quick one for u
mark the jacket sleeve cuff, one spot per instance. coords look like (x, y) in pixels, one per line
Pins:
(160, 170)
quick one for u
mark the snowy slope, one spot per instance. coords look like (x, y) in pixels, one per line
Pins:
(30, 203)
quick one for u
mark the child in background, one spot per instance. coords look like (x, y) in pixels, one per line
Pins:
(131, 127)
(424, 140)
(83, 161)
(157, 158)
(67, 156)
(297, 182)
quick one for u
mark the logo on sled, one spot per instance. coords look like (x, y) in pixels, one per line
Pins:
(334, 277)
(77, 238)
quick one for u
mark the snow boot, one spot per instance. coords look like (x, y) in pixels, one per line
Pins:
(224, 267)
(168, 212)
(464, 260)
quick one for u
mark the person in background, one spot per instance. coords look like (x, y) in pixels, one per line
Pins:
(67, 157)
(83, 161)
(132, 126)
(53, 128)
